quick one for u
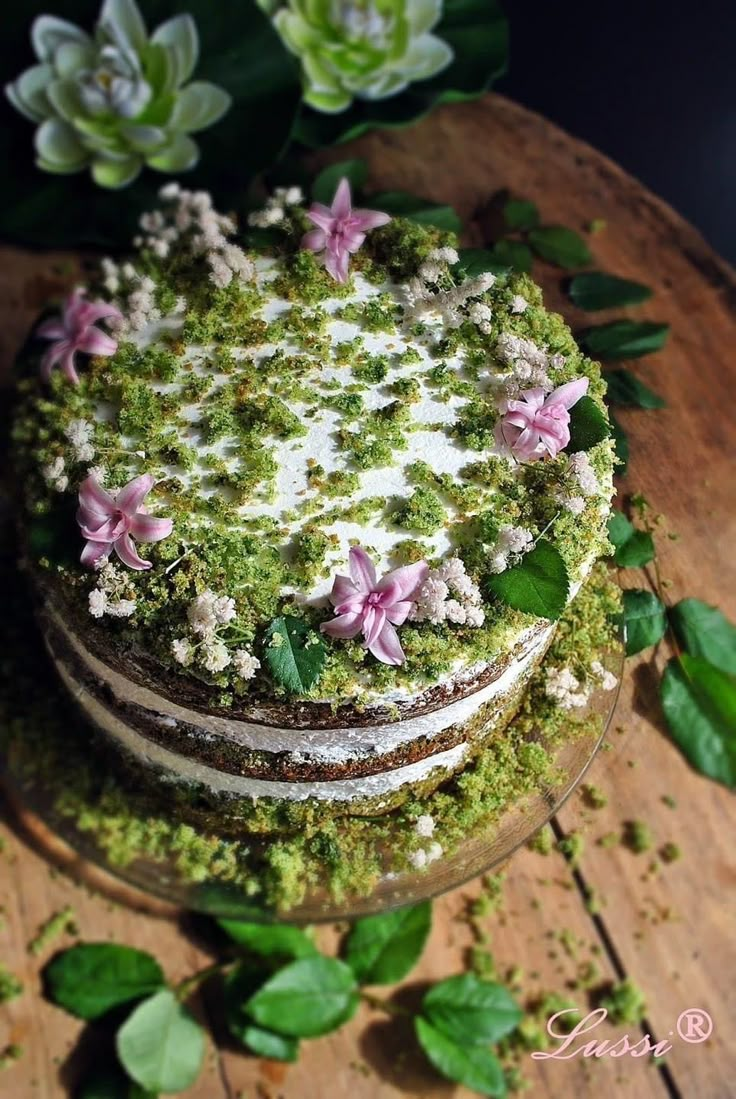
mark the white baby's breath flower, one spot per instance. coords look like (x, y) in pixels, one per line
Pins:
(183, 651)
(215, 655)
(424, 826)
(246, 665)
(97, 603)
(519, 304)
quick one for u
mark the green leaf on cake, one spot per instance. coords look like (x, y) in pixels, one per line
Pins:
(626, 391)
(645, 620)
(594, 290)
(588, 425)
(474, 1066)
(475, 261)
(633, 548)
(295, 654)
(401, 204)
(624, 339)
(705, 632)
(520, 214)
(620, 445)
(161, 1046)
(240, 985)
(383, 949)
(90, 979)
(561, 246)
(699, 703)
(278, 939)
(308, 998)
(538, 584)
(266, 1043)
(325, 184)
(471, 1011)
(514, 254)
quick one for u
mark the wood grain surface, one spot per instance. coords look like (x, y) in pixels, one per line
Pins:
(669, 927)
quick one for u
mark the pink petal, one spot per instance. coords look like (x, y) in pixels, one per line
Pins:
(104, 532)
(92, 311)
(343, 590)
(52, 329)
(521, 419)
(95, 342)
(95, 502)
(530, 397)
(128, 554)
(336, 262)
(369, 219)
(404, 581)
(345, 626)
(93, 551)
(362, 569)
(342, 202)
(52, 356)
(67, 366)
(373, 622)
(386, 647)
(399, 612)
(147, 529)
(352, 241)
(315, 240)
(569, 394)
(321, 216)
(130, 498)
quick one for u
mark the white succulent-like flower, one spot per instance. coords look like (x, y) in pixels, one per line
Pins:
(364, 49)
(117, 99)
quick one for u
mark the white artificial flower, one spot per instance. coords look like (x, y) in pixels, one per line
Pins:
(183, 651)
(424, 826)
(246, 665)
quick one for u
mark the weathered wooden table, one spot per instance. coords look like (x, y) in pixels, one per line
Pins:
(669, 927)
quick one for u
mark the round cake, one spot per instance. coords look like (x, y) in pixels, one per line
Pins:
(302, 508)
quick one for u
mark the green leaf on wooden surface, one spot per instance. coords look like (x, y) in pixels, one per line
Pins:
(538, 584)
(307, 998)
(513, 254)
(594, 290)
(325, 184)
(519, 214)
(705, 632)
(161, 1046)
(475, 261)
(624, 339)
(633, 548)
(383, 949)
(699, 703)
(474, 1066)
(90, 979)
(588, 425)
(626, 391)
(561, 246)
(401, 204)
(279, 939)
(110, 1083)
(471, 1011)
(295, 653)
(645, 620)
(620, 445)
(267, 1043)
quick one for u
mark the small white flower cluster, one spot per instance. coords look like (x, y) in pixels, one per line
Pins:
(511, 541)
(423, 857)
(433, 603)
(564, 687)
(79, 433)
(135, 294)
(109, 596)
(54, 474)
(528, 365)
(274, 212)
(431, 293)
(584, 478)
(424, 826)
(519, 304)
(205, 614)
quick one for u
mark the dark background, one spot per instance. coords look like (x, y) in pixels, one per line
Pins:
(652, 84)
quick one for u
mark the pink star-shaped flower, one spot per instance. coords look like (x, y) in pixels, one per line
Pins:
(340, 230)
(372, 607)
(111, 522)
(75, 331)
(534, 426)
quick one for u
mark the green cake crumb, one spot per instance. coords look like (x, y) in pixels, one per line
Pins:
(670, 852)
(9, 1055)
(637, 836)
(572, 847)
(10, 986)
(624, 1001)
(422, 512)
(593, 796)
(61, 923)
(543, 841)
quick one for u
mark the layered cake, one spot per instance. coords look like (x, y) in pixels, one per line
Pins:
(302, 510)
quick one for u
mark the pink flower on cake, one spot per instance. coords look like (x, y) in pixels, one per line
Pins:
(534, 425)
(374, 608)
(111, 522)
(75, 331)
(340, 230)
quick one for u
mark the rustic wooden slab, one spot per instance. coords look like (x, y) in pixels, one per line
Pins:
(670, 929)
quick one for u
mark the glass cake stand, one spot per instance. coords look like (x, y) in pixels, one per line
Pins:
(77, 851)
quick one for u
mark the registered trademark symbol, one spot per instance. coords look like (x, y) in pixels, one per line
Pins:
(694, 1025)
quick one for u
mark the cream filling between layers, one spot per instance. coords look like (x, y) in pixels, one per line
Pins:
(329, 745)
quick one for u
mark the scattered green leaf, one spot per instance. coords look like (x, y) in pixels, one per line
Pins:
(626, 391)
(538, 583)
(400, 204)
(633, 548)
(705, 632)
(280, 939)
(110, 1083)
(475, 261)
(699, 702)
(307, 998)
(624, 339)
(161, 1046)
(520, 214)
(325, 184)
(471, 1011)
(382, 949)
(90, 979)
(588, 425)
(266, 1043)
(645, 620)
(474, 1066)
(513, 254)
(594, 290)
(561, 246)
(294, 653)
